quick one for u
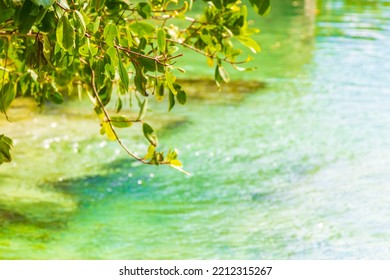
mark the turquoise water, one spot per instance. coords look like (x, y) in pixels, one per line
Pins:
(296, 170)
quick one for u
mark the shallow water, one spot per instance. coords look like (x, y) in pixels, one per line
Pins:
(297, 170)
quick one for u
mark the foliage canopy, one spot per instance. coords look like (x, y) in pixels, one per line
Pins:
(115, 51)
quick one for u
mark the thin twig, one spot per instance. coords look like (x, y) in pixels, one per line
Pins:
(140, 55)
(107, 116)
(62, 7)
(213, 56)
(195, 31)
(124, 10)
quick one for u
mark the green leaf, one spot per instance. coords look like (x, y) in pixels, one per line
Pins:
(85, 17)
(56, 97)
(171, 101)
(47, 49)
(27, 15)
(160, 91)
(261, 7)
(143, 108)
(88, 49)
(99, 69)
(6, 14)
(80, 23)
(96, 25)
(98, 110)
(123, 74)
(110, 70)
(150, 134)
(65, 34)
(98, 4)
(111, 51)
(49, 22)
(121, 121)
(144, 10)
(110, 33)
(7, 95)
(140, 81)
(118, 105)
(41, 14)
(180, 94)
(150, 65)
(217, 76)
(5, 149)
(44, 3)
(105, 94)
(161, 41)
(181, 97)
(142, 29)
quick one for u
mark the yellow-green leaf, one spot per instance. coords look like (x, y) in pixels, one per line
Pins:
(108, 131)
(79, 20)
(161, 41)
(150, 152)
(142, 29)
(224, 74)
(110, 33)
(250, 43)
(121, 121)
(96, 25)
(88, 49)
(170, 79)
(175, 162)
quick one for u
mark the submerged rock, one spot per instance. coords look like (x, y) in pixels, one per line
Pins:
(206, 89)
(35, 205)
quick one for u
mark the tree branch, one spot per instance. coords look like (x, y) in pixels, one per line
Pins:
(108, 120)
(213, 56)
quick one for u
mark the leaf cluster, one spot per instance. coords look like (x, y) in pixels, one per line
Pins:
(115, 51)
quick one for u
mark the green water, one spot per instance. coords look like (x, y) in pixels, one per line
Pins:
(296, 170)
